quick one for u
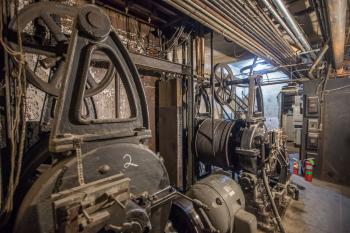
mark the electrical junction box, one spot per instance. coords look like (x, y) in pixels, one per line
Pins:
(312, 140)
(312, 125)
(312, 105)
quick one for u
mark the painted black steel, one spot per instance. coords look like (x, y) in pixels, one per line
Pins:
(226, 133)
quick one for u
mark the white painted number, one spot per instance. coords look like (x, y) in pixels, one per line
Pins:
(129, 161)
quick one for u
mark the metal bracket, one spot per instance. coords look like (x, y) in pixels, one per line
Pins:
(87, 206)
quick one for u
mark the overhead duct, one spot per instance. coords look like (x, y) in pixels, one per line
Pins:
(294, 26)
(337, 20)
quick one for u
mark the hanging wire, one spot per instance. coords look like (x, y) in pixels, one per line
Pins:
(19, 121)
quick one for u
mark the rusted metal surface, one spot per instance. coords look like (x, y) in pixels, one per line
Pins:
(337, 21)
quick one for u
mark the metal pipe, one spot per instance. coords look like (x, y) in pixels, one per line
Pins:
(268, 190)
(319, 13)
(294, 26)
(317, 61)
(211, 22)
(202, 53)
(250, 29)
(212, 80)
(323, 9)
(219, 13)
(251, 94)
(220, 26)
(228, 26)
(310, 51)
(337, 21)
(283, 24)
(198, 56)
(260, 30)
(265, 22)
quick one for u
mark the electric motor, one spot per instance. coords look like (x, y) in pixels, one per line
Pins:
(225, 208)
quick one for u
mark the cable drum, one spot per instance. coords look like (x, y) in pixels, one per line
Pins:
(226, 133)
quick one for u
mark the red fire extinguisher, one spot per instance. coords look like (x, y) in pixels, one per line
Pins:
(309, 166)
(296, 167)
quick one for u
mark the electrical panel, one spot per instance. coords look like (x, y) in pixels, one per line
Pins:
(312, 125)
(312, 105)
(312, 140)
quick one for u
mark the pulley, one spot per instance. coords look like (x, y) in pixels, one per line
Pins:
(225, 91)
(40, 26)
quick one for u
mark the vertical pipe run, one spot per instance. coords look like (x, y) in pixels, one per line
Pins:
(202, 48)
(117, 95)
(189, 174)
(251, 94)
(337, 21)
(184, 53)
(175, 57)
(212, 90)
(198, 56)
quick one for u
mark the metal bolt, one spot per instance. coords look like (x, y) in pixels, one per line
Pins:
(218, 201)
(104, 169)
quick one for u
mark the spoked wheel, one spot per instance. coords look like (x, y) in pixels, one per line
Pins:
(44, 39)
(224, 93)
(46, 32)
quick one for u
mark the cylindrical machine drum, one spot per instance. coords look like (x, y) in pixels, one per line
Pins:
(146, 172)
(226, 134)
(224, 198)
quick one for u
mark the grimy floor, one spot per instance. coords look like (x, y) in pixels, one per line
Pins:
(322, 208)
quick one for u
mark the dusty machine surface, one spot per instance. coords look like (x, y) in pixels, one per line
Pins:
(243, 147)
(87, 174)
(176, 147)
(84, 172)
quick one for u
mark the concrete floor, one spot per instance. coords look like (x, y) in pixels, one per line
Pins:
(322, 208)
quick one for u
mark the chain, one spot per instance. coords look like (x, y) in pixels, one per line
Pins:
(77, 146)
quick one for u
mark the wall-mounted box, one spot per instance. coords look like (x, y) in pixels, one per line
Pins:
(312, 125)
(312, 105)
(312, 140)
